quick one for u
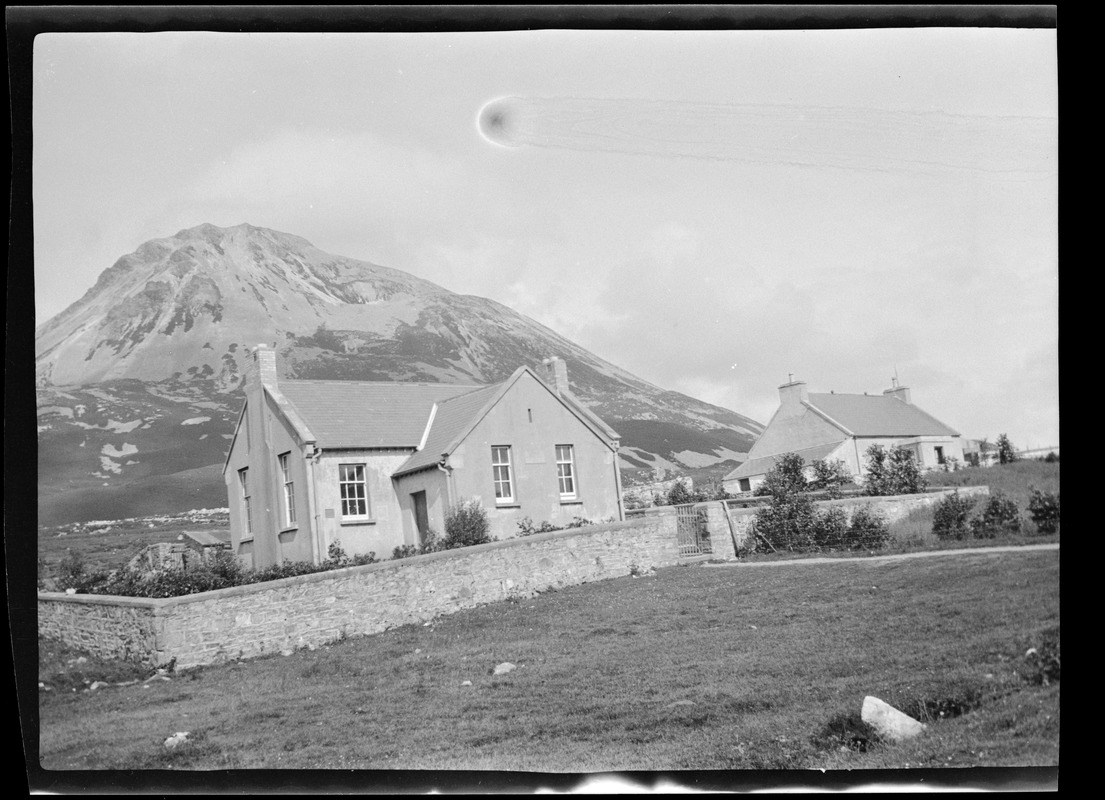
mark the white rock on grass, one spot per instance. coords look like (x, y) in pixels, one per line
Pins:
(177, 739)
(503, 668)
(888, 722)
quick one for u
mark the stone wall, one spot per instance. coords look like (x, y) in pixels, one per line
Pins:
(892, 507)
(310, 610)
(122, 628)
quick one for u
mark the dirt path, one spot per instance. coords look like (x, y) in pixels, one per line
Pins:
(893, 557)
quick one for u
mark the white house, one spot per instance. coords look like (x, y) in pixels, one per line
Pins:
(841, 427)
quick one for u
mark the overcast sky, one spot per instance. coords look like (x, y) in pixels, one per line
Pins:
(710, 210)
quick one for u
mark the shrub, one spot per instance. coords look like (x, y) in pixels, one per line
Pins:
(877, 479)
(223, 571)
(337, 558)
(335, 553)
(789, 523)
(950, 517)
(868, 529)
(527, 528)
(831, 528)
(431, 541)
(1007, 454)
(465, 525)
(892, 472)
(830, 476)
(404, 551)
(999, 515)
(786, 477)
(714, 490)
(1043, 507)
(679, 495)
(70, 569)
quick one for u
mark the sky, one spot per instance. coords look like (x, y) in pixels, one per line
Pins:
(714, 211)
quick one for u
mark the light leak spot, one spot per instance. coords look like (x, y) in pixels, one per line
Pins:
(852, 138)
(497, 121)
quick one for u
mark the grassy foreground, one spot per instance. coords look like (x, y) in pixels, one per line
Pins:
(689, 668)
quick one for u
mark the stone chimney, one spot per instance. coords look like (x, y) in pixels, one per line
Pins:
(554, 372)
(262, 368)
(901, 392)
(793, 393)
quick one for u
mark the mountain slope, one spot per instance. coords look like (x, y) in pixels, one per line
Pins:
(172, 324)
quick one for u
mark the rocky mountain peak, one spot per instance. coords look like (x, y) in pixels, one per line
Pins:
(184, 311)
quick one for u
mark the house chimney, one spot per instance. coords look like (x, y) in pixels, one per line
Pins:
(793, 393)
(901, 392)
(262, 368)
(554, 372)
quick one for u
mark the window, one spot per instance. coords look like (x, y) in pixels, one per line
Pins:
(566, 471)
(243, 481)
(289, 490)
(500, 470)
(354, 491)
(939, 454)
(746, 484)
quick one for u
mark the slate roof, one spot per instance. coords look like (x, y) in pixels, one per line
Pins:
(760, 466)
(878, 415)
(855, 415)
(209, 538)
(357, 414)
(370, 414)
(454, 416)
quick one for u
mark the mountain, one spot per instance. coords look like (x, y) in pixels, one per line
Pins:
(138, 381)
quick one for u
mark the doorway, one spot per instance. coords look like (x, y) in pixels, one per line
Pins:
(421, 516)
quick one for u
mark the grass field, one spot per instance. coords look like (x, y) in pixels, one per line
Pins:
(1013, 480)
(699, 667)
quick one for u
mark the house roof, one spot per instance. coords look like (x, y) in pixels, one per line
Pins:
(455, 417)
(208, 538)
(357, 414)
(429, 418)
(452, 419)
(760, 466)
(877, 415)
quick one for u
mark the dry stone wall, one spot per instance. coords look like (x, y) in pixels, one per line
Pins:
(122, 628)
(310, 610)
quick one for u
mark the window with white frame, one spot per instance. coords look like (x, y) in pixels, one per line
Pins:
(289, 490)
(243, 482)
(354, 491)
(501, 472)
(566, 471)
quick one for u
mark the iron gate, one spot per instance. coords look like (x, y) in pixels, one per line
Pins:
(691, 532)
